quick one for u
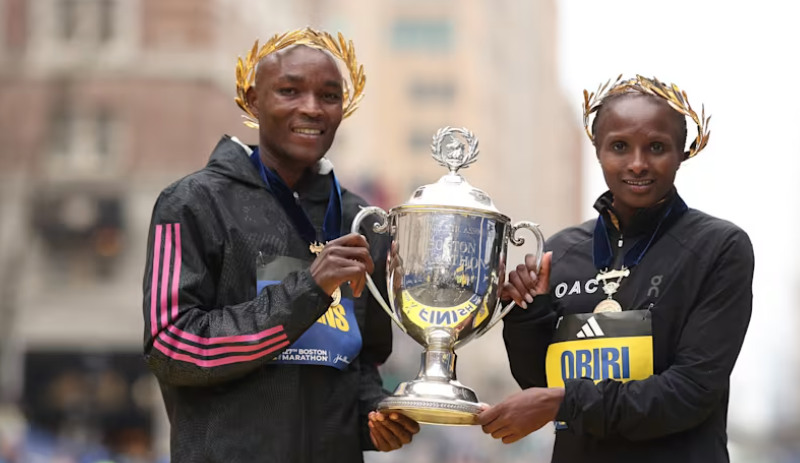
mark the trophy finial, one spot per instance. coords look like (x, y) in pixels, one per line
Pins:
(457, 154)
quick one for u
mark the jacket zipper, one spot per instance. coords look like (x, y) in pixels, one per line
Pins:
(618, 258)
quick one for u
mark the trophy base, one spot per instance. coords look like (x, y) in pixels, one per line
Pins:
(447, 403)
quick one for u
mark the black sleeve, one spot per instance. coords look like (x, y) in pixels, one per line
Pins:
(684, 395)
(527, 334)
(190, 341)
(376, 350)
(377, 336)
(371, 392)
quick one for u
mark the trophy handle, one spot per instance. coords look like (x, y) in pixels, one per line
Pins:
(377, 227)
(498, 315)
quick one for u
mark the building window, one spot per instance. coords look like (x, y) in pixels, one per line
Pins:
(105, 23)
(104, 133)
(422, 35)
(86, 21)
(68, 19)
(432, 92)
(85, 142)
(61, 133)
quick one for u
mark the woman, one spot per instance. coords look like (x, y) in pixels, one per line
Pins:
(627, 335)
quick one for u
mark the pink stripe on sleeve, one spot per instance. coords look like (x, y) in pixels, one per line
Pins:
(219, 350)
(176, 273)
(154, 284)
(167, 318)
(217, 362)
(226, 339)
(165, 274)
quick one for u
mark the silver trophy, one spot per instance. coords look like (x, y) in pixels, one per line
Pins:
(448, 242)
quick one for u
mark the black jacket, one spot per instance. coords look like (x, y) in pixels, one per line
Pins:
(209, 338)
(696, 282)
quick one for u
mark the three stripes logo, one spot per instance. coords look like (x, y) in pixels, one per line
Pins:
(590, 329)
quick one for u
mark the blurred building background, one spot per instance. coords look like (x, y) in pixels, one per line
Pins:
(106, 102)
(103, 103)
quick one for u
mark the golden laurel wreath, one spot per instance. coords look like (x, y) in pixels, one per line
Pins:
(342, 50)
(675, 97)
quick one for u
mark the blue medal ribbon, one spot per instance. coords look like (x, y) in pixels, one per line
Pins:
(331, 226)
(603, 253)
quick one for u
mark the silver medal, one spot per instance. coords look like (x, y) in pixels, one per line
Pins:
(610, 287)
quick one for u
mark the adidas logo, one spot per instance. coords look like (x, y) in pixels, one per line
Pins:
(590, 329)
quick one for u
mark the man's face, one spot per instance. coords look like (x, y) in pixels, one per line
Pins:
(298, 103)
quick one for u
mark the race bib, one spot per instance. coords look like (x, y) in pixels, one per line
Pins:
(600, 346)
(334, 340)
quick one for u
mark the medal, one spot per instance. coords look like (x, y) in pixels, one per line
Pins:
(315, 249)
(610, 287)
(331, 225)
(608, 305)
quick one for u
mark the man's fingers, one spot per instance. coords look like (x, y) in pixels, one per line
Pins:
(377, 438)
(406, 422)
(399, 431)
(391, 439)
(341, 271)
(372, 436)
(381, 436)
(347, 269)
(511, 438)
(351, 240)
(357, 254)
(382, 425)
(358, 282)
(355, 278)
(369, 266)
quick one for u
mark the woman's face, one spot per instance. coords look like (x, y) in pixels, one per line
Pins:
(637, 140)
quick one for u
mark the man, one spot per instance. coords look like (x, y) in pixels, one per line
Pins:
(257, 326)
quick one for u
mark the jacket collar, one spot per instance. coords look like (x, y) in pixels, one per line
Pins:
(644, 220)
(231, 159)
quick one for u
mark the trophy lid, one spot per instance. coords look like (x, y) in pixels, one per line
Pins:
(452, 189)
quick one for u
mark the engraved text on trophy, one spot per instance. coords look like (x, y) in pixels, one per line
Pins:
(447, 269)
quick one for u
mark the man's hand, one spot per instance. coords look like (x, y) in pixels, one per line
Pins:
(524, 283)
(392, 432)
(343, 260)
(521, 414)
